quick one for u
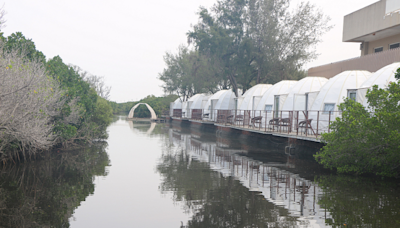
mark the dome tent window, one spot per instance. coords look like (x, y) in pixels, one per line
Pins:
(268, 108)
(352, 95)
(329, 108)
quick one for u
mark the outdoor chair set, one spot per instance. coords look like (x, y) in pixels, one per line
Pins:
(286, 123)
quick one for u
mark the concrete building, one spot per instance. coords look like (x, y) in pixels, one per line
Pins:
(377, 29)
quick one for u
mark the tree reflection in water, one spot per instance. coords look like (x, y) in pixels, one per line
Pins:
(45, 193)
(221, 187)
(360, 201)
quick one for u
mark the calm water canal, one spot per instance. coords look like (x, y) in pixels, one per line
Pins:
(164, 175)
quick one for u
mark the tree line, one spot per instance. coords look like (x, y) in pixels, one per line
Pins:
(239, 43)
(46, 103)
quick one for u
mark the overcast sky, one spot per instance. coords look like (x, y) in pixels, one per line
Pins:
(125, 41)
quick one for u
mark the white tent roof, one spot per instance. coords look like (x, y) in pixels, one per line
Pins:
(225, 100)
(336, 88)
(279, 88)
(257, 90)
(197, 101)
(297, 92)
(382, 77)
(215, 96)
(177, 104)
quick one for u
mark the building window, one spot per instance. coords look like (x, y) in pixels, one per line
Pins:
(393, 46)
(268, 108)
(379, 49)
(329, 108)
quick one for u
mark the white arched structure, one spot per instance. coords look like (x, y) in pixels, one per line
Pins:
(153, 114)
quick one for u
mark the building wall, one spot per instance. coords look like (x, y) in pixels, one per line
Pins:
(369, 47)
(372, 63)
(367, 21)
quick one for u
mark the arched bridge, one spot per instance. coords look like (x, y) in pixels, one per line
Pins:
(153, 114)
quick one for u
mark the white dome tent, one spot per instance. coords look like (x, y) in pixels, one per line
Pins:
(382, 78)
(222, 100)
(296, 99)
(267, 100)
(331, 95)
(251, 97)
(177, 106)
(212, 101)
(196, 103)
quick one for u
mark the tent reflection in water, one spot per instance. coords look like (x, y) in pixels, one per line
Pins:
(331, 95)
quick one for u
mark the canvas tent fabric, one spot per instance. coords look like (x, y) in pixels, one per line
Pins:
(382, 78)
(295, 100)
(246, 103)
(332, 94)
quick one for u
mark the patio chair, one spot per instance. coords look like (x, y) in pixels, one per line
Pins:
(239, 119)
(256, 120)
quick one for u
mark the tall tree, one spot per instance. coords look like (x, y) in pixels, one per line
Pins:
(188, 72)
(258, 41)
(284, 39)
(220, 34)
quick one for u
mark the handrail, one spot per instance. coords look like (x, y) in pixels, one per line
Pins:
(294, 122)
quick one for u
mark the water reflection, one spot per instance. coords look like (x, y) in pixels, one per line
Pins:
(45, 193)
(225, 183)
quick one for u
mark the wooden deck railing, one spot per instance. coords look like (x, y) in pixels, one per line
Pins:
(305, 123)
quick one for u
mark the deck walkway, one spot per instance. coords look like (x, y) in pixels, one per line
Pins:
(258, 130)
